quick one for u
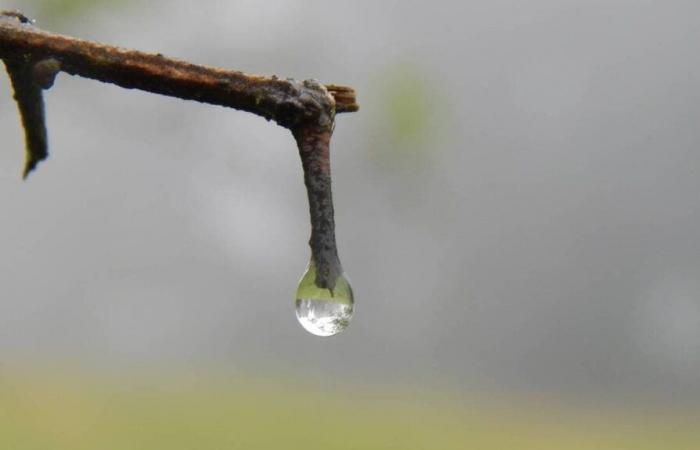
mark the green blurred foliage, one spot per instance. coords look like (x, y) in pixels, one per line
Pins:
(47, 410)
(411, 116)
(409, 106)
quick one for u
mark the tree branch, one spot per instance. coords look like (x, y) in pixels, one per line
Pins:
(288, 102)
(34, 57)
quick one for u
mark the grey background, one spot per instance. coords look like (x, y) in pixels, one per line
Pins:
(517, 200)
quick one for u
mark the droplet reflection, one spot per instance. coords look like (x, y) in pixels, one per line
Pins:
(320, 311)
(323, 317)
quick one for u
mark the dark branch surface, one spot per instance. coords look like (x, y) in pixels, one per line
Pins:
(314, 150)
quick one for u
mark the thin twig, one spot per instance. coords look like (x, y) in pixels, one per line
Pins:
(290, 103)
(314, 150)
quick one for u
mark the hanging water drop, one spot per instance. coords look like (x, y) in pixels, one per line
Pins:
(320, 311)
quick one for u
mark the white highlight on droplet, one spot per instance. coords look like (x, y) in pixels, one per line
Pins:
(323, 317)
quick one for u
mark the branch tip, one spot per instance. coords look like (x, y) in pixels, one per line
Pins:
(30, 102)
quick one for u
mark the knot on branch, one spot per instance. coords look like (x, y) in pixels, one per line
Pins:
(44, 72)
(307, 103)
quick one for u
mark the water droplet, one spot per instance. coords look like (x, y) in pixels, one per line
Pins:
(320, 311)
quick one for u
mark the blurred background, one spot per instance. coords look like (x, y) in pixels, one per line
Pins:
(516, 204)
